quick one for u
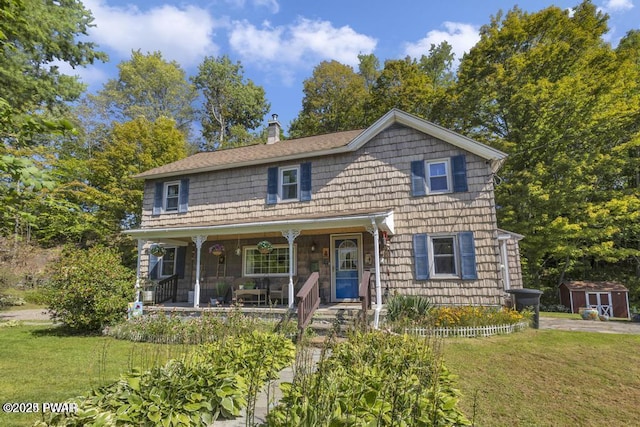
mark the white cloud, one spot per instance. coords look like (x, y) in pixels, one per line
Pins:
(304, 42)
(617, 5)
(462, 37)
(181, 34)
(271, 4)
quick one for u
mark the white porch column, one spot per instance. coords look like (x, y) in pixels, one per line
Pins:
(376, 256)
(138, 278)
(198, 240)
(291, 235)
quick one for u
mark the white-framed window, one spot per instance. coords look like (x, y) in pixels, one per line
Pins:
(439, 176)
(289, 183)
(171, 198)
(167, 264)
(443, 256)
(273, 264)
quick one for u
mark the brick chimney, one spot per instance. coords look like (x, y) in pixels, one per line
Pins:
(273, 134)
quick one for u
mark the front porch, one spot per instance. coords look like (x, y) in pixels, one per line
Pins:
(223, 265)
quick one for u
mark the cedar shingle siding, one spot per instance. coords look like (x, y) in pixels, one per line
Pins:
(377, 176)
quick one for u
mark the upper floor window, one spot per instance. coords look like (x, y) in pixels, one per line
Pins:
(439, 179)
(171, 196)
(289, 184)
(439, 176)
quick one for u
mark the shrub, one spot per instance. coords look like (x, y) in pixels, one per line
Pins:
(408, 307)
(209, 327)
(215, 381)
(89, 289)
(373, 379)
(475, 316)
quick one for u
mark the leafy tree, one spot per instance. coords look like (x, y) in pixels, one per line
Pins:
(229, 101)
(35, 34)
(147, 86)
(333, 101)
(89, 289)
(131, 148)
(34, 95)
(545, 88)
(402, 84)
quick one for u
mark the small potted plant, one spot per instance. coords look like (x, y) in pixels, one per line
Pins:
(216, 249)
(157, 251)
(264, 247)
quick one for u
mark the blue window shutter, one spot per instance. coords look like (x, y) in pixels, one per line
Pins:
(157, 198)
(181, 257)
(183, 201)
(459, 167)
(272, 186)
(418, 185)
(467, 255)
(305, 181)
(421, 256)
(153, 267)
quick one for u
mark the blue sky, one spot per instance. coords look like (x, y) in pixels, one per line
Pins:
(279, 42)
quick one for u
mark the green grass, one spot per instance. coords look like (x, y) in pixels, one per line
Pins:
(548, 378)
(43, 364)
(531, 378)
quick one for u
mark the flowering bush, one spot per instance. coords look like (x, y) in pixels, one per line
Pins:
(474, 316)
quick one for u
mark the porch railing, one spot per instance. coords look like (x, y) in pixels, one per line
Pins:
(167, 289)
(364, 292)
(308, 300)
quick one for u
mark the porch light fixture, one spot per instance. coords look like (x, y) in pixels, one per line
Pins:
(238, 250)
(313, 246)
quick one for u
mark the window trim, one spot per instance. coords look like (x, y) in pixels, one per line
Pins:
(165, 194)
(161, 262)
(448, 174)
(245, 258)
(432, 257)
(281, 183)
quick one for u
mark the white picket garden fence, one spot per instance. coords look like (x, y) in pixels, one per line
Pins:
(467, 331)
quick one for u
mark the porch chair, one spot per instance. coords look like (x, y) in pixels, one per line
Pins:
(280, 291)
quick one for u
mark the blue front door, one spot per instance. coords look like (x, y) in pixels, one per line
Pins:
(347, 268)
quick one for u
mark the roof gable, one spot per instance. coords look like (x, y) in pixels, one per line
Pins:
(319, 145)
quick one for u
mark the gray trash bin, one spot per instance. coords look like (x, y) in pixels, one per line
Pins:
(528, 298)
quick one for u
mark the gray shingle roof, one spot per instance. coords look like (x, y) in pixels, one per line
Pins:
(252, 154)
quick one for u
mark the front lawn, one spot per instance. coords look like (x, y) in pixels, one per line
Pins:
(531, 378)
(42, 364)
(548, 378)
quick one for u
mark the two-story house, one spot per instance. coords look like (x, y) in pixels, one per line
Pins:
(406, 199)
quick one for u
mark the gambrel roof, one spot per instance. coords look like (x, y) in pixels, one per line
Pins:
(319, 145)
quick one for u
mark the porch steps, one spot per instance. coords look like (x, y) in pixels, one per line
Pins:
(339, 318)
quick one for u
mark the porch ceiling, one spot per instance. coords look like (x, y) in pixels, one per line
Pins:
(311, 224)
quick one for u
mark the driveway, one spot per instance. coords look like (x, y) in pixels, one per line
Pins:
(608, 327)
(28, 315)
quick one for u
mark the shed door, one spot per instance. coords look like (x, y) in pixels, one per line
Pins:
(601, 301)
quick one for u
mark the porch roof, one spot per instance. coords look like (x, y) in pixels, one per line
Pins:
(384, 221)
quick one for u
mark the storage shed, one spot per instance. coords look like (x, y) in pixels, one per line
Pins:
(610, 298)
